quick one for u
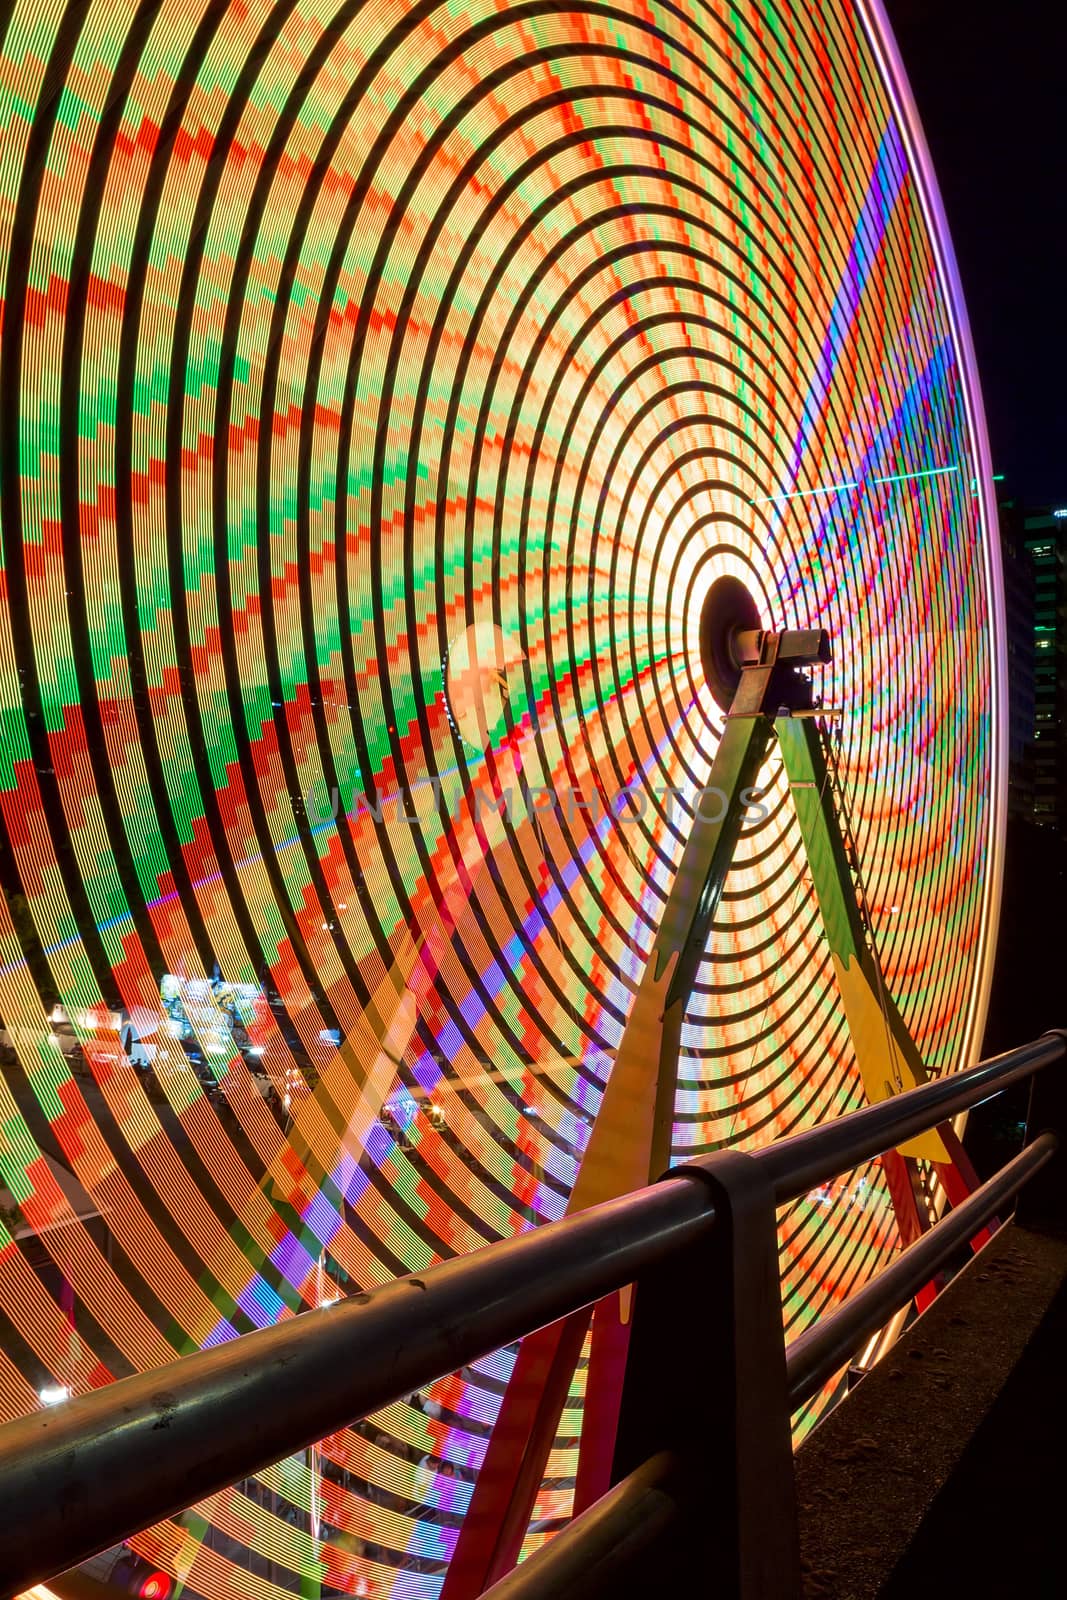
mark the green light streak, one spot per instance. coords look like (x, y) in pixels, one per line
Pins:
(910, 477)
(844, 488)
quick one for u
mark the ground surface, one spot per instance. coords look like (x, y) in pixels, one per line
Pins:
(944, 1474)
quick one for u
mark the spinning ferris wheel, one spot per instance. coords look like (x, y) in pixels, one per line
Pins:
(500, 647)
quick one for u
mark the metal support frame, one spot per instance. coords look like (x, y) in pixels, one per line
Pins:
(628, 1147)
(886, 1055)
(630, 1142)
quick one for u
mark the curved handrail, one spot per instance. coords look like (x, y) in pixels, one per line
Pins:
(813, 1359)
(87, 1474)
(796, 1165)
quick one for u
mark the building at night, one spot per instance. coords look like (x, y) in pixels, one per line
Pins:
(1046, 546)
(1019, 615)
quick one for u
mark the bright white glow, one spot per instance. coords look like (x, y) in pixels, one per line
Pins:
(54, 1394)
(806, 494)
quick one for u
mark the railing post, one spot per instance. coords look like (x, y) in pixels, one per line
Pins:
(1042, 1205)
(706, 1379)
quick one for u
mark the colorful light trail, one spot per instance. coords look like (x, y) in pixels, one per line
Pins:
(383, 387)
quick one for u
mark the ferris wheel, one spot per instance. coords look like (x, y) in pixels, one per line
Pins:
(500, 647)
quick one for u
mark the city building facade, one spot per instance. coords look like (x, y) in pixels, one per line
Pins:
(1046, 546)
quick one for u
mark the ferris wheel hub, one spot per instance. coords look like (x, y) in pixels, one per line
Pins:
(734, 640)
(730, 627)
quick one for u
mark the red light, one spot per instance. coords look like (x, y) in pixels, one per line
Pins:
(156, 1586)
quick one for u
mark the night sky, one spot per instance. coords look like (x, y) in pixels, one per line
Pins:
(990, 80)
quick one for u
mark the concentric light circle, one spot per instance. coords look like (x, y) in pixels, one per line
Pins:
(383, 387)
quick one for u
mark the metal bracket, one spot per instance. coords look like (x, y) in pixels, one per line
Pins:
(733, 1423)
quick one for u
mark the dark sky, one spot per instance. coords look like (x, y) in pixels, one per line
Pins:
(990, 80)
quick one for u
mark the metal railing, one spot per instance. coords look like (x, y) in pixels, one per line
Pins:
(703, 1468)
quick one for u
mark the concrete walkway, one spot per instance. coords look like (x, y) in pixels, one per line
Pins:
(999, 1526)
(945, 1473)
